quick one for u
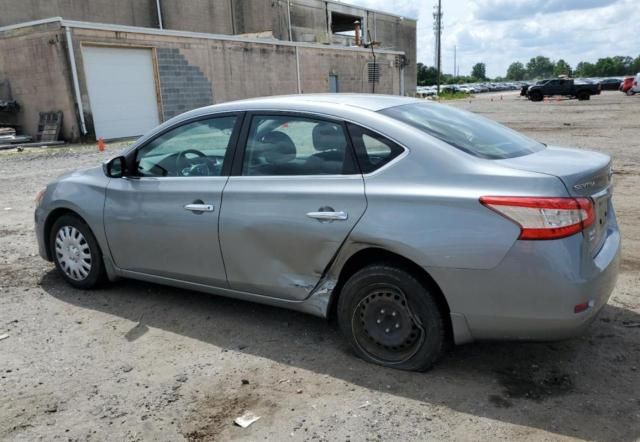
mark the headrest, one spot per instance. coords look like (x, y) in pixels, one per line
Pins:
(278, 148)
(328, 136)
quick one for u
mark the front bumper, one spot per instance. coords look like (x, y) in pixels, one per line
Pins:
(532, 293)
(40, 218)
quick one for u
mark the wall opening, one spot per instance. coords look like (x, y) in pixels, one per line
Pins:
(345, 24)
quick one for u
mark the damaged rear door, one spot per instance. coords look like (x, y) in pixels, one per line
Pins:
(294, 196)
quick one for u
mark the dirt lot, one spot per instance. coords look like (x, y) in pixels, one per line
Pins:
(136, 361)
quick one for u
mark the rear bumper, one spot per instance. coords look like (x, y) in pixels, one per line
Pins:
(532, 293)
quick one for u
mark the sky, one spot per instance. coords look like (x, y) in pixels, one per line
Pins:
(499, 32)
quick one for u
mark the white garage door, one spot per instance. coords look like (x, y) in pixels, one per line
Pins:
(122, 91)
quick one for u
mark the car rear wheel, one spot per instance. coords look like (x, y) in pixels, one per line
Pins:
(583, 96)
(392, 319)
(76, 253)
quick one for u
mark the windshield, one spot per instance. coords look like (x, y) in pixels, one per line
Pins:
(468, 132)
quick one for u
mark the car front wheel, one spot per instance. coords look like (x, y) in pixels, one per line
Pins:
(536, 96)
(391, 318)
(76, 253)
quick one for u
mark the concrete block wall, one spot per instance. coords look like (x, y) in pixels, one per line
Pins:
(182, 86)
(309, 18)
(351, 70)
(36, 65)
(122, 12)
(210, 16)
(237, 70)
(190, 72)
(389, 28)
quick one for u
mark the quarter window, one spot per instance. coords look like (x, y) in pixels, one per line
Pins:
(193, 149)
(372, 150)
(287, 145)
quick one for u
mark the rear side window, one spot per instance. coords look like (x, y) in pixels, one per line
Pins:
(291, 145)
(471, 133)
(372, 150)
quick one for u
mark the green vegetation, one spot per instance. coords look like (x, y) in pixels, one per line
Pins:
(536, 68)
(447, 95)
(479, 71)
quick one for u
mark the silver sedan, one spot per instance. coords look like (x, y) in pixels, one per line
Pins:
(413, 224)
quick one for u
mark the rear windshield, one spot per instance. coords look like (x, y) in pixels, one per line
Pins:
(468, 132)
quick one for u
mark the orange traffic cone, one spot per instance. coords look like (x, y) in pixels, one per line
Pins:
(101, 144)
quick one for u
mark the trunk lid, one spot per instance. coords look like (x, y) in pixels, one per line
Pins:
(584, 174)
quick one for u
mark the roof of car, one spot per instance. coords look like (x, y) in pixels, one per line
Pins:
(372, 102)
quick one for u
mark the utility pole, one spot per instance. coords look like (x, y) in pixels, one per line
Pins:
(455, 63)
(437, 28)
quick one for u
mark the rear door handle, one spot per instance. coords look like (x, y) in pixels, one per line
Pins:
(329, 216)
(199, 207)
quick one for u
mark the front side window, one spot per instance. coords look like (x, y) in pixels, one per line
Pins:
(288, 145)
(193, 149)
(471, 133)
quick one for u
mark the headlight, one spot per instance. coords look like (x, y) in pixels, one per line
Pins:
(39, 196)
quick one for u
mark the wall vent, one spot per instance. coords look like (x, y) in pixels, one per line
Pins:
(374, 72)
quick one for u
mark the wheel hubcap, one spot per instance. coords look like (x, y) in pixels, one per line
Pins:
(73, 253)
(384, 326)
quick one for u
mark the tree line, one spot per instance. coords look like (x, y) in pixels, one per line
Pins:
(538, 67)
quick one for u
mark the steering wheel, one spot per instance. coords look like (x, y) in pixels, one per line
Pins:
(188, 166)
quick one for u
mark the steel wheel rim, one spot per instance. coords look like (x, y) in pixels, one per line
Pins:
(386, 337)
(73, 253)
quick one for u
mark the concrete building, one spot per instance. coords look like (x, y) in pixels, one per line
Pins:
(116, 68)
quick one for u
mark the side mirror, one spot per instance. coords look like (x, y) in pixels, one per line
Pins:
(114, 168)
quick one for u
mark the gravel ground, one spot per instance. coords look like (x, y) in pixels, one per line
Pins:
(137, 361)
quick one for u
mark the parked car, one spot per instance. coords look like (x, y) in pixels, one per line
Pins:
(635, 86)
(413, 223)
(562, 86)
(626, 84)
(610, 84)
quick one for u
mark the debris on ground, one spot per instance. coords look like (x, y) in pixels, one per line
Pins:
(246, 419)
(4, 336)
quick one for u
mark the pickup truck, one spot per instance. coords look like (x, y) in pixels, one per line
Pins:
(562, 86)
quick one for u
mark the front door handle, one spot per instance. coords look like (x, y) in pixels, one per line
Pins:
(329, 216)
(199, 207)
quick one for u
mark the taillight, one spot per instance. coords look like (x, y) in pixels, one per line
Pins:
(544, 218)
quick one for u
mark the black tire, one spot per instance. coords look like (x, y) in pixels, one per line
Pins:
(392, 319)
(584, 96)
(536, 96)
(70, 259)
